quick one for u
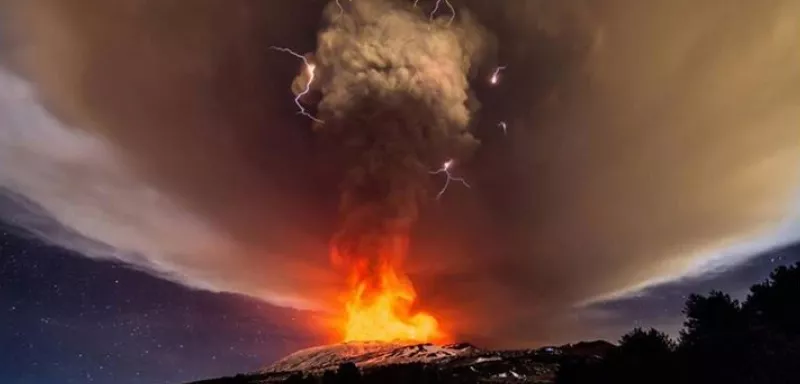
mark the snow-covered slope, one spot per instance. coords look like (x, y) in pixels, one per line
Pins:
(367, 354)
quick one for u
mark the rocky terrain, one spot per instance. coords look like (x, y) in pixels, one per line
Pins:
(370, 354)
(377, 362)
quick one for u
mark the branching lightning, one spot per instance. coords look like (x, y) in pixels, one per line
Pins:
(310, 70)
(496, 75)
(504, 126)
(341, 9)
(436, 8)
(452, 10)
(446, 170)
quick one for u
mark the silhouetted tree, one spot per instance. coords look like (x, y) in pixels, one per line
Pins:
(348, 373)
(775, 303)
(773, 311)
(581, 370)
(710, 320)
(714, 342)
(329, 377)
(642, 357)
(298, 378)
(650, 343)
(403, 373)
(722, 342)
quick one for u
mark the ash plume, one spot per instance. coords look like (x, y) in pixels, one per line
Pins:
(394, 104)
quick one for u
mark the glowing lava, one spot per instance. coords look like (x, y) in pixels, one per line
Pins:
(384, 312)
(380, 306)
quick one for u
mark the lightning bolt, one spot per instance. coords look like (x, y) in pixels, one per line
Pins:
(446, 170)
(504, 126)
(341, 9)
(496, 75)
(310, 70)
(436, 8)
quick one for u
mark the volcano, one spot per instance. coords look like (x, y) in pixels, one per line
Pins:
(401, 362)
(370, 354)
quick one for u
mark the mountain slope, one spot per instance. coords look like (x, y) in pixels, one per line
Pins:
(369, 354)
(390, 363)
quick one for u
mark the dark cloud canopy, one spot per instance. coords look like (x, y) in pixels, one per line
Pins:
(646, 141)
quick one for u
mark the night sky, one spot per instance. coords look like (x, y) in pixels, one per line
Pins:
(68, 319)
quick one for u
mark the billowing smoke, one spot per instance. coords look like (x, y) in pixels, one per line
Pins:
(647, 140)
(157, 150)
(73, 190)
(394, 106)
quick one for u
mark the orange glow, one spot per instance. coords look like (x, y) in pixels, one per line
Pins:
(379, 305)
(384, 312)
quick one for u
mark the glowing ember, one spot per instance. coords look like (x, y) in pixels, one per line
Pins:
(382, 311)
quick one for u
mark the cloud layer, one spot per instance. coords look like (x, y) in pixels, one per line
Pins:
(644, 138)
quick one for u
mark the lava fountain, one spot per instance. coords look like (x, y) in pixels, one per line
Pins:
(380, 304)
(383, 312)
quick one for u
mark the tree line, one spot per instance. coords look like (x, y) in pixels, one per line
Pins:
(722, 341)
